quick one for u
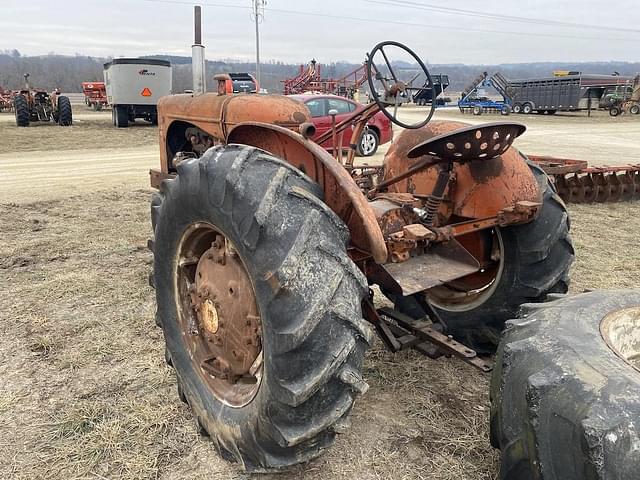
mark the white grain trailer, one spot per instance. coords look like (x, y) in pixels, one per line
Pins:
(134, 86)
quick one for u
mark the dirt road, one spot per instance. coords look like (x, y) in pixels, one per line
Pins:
(95, 153)
(84, 391)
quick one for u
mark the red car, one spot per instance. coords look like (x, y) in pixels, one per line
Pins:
(378, 133)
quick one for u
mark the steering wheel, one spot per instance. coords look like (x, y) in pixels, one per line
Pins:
(393, 87)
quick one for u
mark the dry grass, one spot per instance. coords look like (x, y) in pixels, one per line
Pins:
(90, 130)
(84, 392)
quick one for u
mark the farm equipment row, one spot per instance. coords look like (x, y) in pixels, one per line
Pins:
(577, 182)
(309, 79)
(573, 91)
(95, 95)
(6, 100)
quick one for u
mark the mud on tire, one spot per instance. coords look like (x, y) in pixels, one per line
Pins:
(307, 289)
(564, 406)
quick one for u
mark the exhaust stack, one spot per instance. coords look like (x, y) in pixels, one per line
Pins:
(197, 56)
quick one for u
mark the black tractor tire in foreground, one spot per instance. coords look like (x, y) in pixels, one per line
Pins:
(21, 107)
(564, 406)
(536, 261)
(65, 114)
(614, 111)
(307, 289)
(120, 116)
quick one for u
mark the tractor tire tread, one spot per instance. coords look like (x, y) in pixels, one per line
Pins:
(560, 401)
(315, 332)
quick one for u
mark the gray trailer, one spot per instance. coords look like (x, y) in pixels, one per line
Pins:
(134, 86)
(563, 93)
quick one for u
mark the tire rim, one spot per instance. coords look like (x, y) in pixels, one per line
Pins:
(468, 293)
(368, 143)
(218, 314)
(621, 332)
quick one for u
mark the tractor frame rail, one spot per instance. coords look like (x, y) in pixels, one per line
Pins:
(400, 332)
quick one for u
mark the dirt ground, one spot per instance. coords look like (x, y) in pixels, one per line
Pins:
(84, 390)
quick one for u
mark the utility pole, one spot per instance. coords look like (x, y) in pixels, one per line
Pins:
(257, 15)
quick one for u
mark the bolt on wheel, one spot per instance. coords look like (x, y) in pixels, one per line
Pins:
(218, 314)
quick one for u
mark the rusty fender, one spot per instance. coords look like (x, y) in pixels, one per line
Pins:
(481, 189)
(341, 193)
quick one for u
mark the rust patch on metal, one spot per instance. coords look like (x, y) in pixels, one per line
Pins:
(481, 171)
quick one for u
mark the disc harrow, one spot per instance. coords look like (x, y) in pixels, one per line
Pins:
(577, 182)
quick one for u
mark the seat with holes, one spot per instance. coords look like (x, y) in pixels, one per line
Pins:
(474, 143)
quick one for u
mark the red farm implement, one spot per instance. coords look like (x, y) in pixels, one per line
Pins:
(309, 79)
(6, 100)
(577, 182)
(95, 94)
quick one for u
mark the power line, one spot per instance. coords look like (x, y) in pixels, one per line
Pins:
(400, 23)
(495, 16)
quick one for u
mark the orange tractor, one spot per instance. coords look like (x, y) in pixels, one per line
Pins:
(267, 250)
(33, 105)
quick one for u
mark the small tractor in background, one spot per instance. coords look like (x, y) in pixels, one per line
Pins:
(627, 105)
(95, 95)
(33, 105)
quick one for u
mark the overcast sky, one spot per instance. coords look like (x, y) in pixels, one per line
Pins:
(295, 31)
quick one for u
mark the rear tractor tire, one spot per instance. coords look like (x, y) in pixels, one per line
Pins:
(534, 261)
(260, 305)
(634, 110)
(65, 114)
(21, 108)
(564, 390)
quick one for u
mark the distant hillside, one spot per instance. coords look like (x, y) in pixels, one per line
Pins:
(66, 72)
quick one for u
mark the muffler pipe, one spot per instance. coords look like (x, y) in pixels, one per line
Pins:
(197, 55)
(307, 129)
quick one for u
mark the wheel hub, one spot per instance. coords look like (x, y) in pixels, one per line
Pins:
(220, 318)
(208, 316)
(621, 332)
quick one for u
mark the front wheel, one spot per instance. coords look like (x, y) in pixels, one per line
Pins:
(530, 262)
(368, 143)
(634, 110)
(260, 305)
